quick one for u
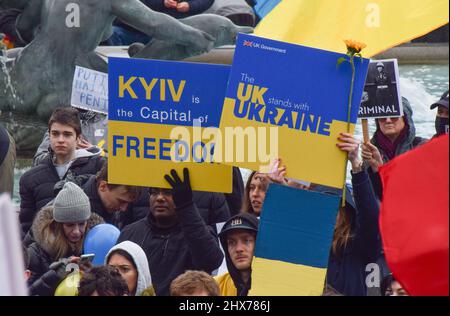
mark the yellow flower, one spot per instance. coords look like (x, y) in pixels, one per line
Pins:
(354, 47)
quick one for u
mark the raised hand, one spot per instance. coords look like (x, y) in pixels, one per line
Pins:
(276, 173)
(350, 145)
(182, 191)
(372, 156)
(83, 143)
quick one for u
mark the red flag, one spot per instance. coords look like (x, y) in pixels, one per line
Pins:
(414, 218)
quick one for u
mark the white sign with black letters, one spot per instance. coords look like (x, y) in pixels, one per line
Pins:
(90, 90)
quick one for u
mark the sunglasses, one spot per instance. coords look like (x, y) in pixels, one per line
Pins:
(393, 119)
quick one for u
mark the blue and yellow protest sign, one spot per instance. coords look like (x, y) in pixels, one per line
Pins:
(293, 242)
(293, 102)
(156, 113)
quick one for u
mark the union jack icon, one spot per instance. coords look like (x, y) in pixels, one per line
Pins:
(248, 43)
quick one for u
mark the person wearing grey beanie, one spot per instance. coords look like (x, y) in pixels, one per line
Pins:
(59, 231)
(71, 205)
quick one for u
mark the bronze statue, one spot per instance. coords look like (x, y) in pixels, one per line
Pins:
(221, 28)
(43, 72)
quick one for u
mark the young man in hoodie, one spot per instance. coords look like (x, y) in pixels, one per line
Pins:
(174, 235)
(37, 184)
(238, 238)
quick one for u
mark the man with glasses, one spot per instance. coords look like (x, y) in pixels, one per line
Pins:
(174, 236)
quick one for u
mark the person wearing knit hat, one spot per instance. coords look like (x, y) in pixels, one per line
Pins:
(59, 231)
(71, 205)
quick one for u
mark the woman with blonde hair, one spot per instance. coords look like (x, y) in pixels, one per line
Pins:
(59, 231)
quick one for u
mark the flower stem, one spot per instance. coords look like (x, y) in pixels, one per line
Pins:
(349, 111)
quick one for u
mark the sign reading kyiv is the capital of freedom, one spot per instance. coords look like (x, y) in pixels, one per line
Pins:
(157, 113)
(296, 93)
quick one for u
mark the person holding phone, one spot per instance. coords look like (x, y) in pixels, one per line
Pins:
(59, 231)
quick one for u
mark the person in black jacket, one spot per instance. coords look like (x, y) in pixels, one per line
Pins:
(36, 186)
(235, 198)
(174, 236)
(117, 204)
(59, 231)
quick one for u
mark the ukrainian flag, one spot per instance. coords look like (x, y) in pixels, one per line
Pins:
(293, 243)
(381, 24)
(263, 7)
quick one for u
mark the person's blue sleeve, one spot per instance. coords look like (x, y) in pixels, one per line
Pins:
(366, 237)
(157, 5)
(199, 6)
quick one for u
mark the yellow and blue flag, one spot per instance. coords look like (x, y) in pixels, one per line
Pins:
(381, 24)
(293, 242)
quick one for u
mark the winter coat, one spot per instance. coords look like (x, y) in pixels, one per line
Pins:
(347, 269)
(188, 245)
(226, 285)
(213, 207)
(43, 281)
(37, 184)
(144, 279)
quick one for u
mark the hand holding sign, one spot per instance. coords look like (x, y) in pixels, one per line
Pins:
(371, 154)
(182, 191)
(350, 145)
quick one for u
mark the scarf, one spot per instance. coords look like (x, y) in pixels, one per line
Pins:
(387, 145)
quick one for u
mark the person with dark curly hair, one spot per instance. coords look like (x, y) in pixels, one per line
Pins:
(102, 281)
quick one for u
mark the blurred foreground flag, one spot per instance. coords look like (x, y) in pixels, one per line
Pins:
(381, 24)
(293, 242)
(263, 7)
(414, 218)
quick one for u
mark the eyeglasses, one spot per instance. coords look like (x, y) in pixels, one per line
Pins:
(393, 119)
(165, 192)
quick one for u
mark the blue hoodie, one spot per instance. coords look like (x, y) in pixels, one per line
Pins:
(347, 269)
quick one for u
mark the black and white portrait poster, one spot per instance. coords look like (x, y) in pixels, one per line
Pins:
(381, 96)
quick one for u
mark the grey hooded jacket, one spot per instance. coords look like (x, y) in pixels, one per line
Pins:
(144, 279)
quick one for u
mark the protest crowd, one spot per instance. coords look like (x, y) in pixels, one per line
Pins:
(129, 240)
